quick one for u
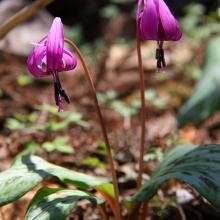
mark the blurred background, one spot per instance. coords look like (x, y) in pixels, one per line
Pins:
(183, 104)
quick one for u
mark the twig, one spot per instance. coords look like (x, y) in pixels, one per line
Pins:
(108, 148)
(24, 14)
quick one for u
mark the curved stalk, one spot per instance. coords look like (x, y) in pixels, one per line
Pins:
(108, 148)
(143, 127)
(143, 115)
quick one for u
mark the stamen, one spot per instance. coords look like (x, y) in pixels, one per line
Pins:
(57, 92)
(160, 57)
(64, 94)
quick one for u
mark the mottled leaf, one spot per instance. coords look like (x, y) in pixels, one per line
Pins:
(197, 166)
(28, 171)
(56, 204)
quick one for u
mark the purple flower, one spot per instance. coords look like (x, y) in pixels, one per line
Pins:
(156, 22)
(49, 57)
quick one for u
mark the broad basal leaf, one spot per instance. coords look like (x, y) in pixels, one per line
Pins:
(197, 166)
(205, 97)
(56, 204)
(28, 171)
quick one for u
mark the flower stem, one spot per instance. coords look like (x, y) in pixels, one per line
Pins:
(143, 119)
(108, 148)
(143, 115)
(144, 210)
(137, 206)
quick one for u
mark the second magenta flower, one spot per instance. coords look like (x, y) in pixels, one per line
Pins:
(156, 22)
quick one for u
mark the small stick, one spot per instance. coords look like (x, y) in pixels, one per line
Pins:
(108, 148)
(21, 16)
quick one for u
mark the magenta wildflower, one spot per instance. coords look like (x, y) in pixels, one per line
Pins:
(50, 52)
(156, 22)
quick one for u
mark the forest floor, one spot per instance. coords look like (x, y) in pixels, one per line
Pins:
(166, 92)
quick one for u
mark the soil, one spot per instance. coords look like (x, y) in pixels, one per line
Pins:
(121, 75)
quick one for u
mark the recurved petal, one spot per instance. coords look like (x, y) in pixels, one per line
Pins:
(55, 44)
(148, 21)
(35, 61)
(69, 60)
(170, 25)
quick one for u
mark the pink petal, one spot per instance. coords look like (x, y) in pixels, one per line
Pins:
(34, 61)
(170, 25)
(69, 59)
(55, 43)
(148, 23)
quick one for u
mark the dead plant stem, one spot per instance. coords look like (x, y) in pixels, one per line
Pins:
(21, 16)
(108, 148)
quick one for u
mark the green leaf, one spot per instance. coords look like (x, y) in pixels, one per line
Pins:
(93, 161)
(56, 204)
(59, 143)
(57, 126)
(61, 140)
(31, 147)
(65, 148)
(205, 97)
(28, 171)
(14, 124)
(150, 95)
(108, 188)
(122, 108)
(24, 80)
(48, 146)
(197, 166)
(74, 116)
(32, 117)
(46, 107)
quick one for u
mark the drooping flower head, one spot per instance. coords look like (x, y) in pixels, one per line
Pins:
(49, 57)
(156, 22)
